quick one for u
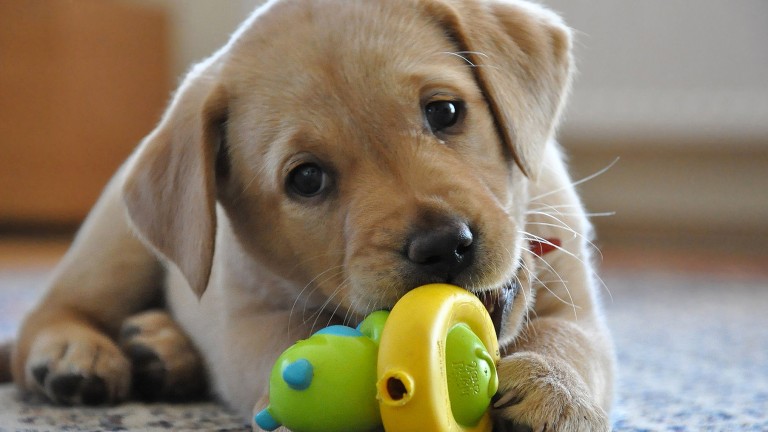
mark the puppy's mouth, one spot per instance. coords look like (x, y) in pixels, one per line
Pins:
(498, 302)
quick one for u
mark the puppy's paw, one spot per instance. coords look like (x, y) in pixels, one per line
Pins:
(73, 365)
(537, 395)
(165, 364)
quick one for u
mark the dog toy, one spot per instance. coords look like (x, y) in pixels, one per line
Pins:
(326, 382)
(429, 364)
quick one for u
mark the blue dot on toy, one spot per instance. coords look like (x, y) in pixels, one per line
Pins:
(298, 375)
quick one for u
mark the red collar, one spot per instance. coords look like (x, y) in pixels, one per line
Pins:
(543, 246)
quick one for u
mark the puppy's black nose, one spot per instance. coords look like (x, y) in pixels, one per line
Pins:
(442, 251)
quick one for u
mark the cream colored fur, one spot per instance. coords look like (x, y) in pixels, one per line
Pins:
(202, 212)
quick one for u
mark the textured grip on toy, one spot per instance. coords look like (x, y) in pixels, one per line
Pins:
(429, 365)
(436, 362)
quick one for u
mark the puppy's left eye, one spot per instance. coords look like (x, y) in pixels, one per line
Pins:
(444, 114)
(307, 180)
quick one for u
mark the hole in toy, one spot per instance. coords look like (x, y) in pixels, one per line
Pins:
(396, 389)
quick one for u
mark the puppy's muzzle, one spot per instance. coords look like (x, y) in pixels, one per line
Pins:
(442, 251)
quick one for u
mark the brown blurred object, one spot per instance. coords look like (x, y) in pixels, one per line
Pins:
(80, 83)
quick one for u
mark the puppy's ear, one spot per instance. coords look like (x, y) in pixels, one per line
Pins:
(521, 57)
(170, 185)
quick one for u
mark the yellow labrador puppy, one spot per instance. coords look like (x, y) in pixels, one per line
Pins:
(332, 156)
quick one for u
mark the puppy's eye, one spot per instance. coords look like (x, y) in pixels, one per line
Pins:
(307, 180)
(443, 114)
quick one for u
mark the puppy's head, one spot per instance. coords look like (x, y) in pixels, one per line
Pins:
(359, 149)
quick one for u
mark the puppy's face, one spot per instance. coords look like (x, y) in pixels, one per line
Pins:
(359, 149)
(362, 167)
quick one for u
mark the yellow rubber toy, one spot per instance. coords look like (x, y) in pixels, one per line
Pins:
(414, 365)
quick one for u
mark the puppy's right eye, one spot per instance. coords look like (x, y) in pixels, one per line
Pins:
(442, 115)
(307, 180)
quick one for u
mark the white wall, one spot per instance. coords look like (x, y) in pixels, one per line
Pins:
(200, 27)
(660, 67)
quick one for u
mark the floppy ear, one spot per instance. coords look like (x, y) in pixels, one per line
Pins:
(170, 185)
(521, 55)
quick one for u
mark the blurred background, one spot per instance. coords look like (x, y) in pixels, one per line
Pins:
(670, 101)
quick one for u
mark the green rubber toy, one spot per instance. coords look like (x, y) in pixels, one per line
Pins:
(433, 371)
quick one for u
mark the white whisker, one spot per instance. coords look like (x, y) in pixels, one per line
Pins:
(459, 55)
(536, 238)
(576, 183)
(577, 212)
(576, 234)
(320, 310)
(308, 295)
(464, 56)
(564, 283)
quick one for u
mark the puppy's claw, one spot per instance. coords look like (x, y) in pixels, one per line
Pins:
(501, 401)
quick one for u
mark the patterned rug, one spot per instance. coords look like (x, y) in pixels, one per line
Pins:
(692, 349)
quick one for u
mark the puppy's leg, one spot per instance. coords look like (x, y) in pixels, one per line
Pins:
(165, 364)
(65, 347)
(556, 373)
(554, 383)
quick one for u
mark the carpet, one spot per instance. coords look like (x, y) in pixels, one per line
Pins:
(692, 351)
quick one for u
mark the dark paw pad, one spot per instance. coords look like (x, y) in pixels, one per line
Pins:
(40, 373)
(149, 373)
(93, 391)
(73, 388)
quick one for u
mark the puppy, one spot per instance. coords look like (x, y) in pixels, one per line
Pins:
(331, 157)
